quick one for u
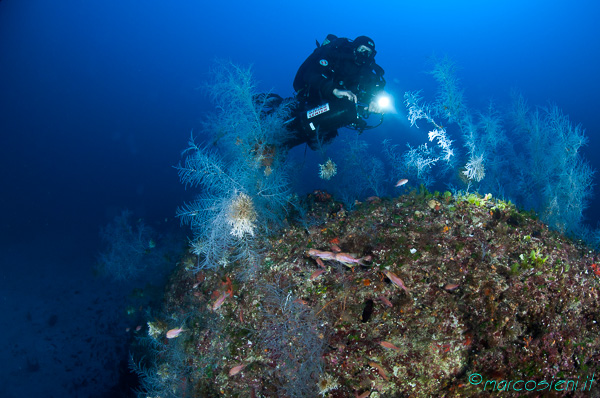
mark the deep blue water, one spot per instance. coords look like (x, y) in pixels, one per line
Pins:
(97, 100)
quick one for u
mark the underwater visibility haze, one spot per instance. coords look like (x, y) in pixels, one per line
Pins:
(158, 240)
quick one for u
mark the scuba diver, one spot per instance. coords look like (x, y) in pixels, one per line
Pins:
(339, 85)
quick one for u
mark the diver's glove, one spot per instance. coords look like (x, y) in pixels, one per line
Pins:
(374, 107)
(345, 93)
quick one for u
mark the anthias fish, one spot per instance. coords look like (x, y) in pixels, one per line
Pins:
(173, 333)
(395, 280)
(401, 182)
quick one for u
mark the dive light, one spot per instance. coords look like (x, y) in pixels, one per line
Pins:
(384, 102)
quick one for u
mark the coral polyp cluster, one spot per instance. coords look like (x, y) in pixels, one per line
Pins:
(242, 216)
(327, 170)
(492, 297)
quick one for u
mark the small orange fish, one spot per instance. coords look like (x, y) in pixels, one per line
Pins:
(316, 274)
(236, 369)
(395, 280)
(300, 301)
(321, 254)
(320, 262)
(468, 339)
(349, 260)
(401, 182)
(363, 395)
(219, 301)
(451, 286)
(173, 333)
(389, 345)
(381, 371)
(385, 300)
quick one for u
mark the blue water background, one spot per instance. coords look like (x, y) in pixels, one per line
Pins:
(97, 100)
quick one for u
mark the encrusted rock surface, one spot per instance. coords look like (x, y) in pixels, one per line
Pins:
(492, 296)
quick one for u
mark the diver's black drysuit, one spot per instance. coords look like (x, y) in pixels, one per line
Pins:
(332, 66)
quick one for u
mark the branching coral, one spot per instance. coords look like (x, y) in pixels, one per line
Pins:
(243, 177)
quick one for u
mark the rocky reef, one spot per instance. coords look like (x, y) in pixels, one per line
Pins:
(454, 296)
